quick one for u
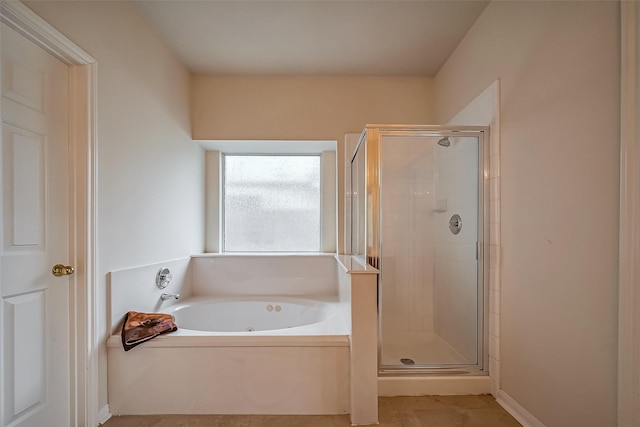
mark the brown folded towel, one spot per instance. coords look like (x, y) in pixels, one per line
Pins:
(141, 327)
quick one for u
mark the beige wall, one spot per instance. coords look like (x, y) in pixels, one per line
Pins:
(558, 65)
(298, 107)
(306, 107)
(150, 173)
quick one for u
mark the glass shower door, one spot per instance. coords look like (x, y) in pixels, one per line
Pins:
(430, 289)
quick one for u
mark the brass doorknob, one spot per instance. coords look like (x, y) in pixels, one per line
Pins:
(62, 270)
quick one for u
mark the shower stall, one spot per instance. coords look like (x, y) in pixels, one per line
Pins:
(418, 214)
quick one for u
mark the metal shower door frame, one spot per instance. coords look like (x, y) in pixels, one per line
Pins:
(370, 141)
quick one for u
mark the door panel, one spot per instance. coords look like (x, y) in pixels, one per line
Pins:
(25, 331)
(24, 85)
(429, 288)
(24, 161)
(35, 234)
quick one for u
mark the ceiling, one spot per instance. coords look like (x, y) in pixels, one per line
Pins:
(319, 37)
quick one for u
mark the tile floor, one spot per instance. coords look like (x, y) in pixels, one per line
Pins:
(420, 411)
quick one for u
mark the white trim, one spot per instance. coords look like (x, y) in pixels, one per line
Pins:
(82, 144)
(517, 411)
(92, 331)
(629, 249)
(213, 214)
(1, 304)
(23, 20)
(104, 415)
(328, 204)
(268, 146)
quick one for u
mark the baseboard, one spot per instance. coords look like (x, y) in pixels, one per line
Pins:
(517, 411)
(104, 414)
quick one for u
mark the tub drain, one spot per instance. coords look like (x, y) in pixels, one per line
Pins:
(250, 329)
(407, 361)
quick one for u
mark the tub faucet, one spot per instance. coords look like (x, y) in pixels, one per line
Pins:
(165, 296)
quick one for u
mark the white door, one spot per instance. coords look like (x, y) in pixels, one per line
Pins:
(34, 236)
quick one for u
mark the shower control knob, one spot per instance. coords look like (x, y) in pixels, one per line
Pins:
(163, 278)
(455, 224)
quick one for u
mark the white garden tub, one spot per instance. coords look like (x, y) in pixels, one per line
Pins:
(307, 353)
(256, 315)
(240, 355)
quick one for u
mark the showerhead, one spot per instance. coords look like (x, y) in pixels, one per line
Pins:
(444, 142)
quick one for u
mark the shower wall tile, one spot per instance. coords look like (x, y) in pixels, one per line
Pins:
(494, 301)
(487, 209)
(494, 142)
(484, 111)
(454, 305)
(494, 188)
(494, 371)
(494, 166)
(416, 306)
(494, 234)
(402, 293)
(415, 190)
(495, 251)
(486, 184)
(494, 325)
(494, 211)
(406, 230)
(494, 347)
(494, 256)
(494, 278)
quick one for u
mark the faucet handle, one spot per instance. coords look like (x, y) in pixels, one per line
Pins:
(163, 278)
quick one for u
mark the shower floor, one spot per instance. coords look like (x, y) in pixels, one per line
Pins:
(424, 348)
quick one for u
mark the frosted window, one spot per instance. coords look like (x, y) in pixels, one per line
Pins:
(271, 203)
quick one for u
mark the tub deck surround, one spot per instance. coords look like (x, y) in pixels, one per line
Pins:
(290, 274)
(328, 367)
(299, 370)
(185, 338)
(191, 374)
(358, 290)
(135, 289)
